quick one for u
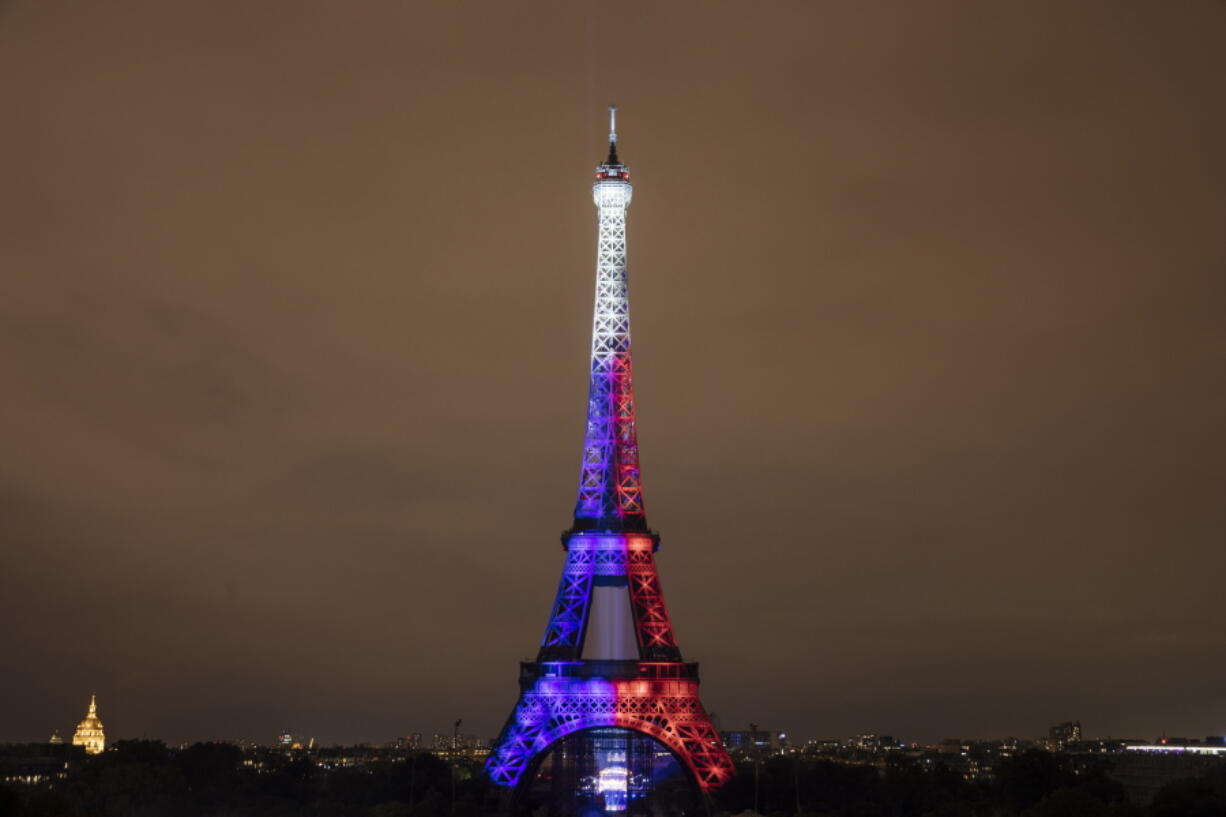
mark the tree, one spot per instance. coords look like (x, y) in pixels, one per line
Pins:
(1203, 796)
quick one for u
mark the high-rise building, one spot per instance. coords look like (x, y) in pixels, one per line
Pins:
(609, 715)
(1065, 733)
(89, 731)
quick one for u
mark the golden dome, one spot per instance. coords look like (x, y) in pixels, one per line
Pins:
(89, 731)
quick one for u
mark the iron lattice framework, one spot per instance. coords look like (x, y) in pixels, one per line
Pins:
(627, 556)
(610, 543)
(610, 492)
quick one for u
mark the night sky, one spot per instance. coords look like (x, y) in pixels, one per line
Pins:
(929, 307)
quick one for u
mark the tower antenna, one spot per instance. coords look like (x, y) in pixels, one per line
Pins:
(612, 160)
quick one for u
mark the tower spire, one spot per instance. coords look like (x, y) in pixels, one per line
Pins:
(612, 160)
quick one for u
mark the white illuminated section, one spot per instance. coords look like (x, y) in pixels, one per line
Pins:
(1178, 750)
(611, 323)
(613, 778)
(614, 784)
(608, 407)
(610, 627)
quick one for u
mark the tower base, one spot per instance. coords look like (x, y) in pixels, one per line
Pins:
(656, 700)
(610, 772)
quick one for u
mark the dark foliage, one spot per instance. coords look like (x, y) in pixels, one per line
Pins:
(1199, 797)
(146, 779)
(1034, 784)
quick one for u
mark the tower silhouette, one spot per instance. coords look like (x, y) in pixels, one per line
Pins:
(609, 657)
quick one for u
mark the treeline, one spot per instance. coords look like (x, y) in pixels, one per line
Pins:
(142, 778)
(145, 779)
(1033, 784)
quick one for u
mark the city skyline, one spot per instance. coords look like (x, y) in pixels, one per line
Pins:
(89, 734)
(928, 306)
(738, 739)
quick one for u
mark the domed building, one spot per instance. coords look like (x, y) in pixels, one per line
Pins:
(89, 731)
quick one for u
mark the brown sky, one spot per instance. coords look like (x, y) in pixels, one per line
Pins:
(928, 309)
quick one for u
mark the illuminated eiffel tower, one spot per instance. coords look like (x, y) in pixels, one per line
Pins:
(609, 660)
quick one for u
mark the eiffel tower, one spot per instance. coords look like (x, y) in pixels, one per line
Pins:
(609, 662)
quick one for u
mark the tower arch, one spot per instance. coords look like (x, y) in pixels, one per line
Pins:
(617, 769)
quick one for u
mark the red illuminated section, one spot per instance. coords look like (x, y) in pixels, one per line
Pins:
(655, 629)
(671, 712)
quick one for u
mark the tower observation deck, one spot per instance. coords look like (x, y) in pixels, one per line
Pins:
(609, 694)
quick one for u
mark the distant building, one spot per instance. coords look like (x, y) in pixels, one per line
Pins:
(1143, 770)
(872, 743)
(37, 764)
(757, 740)
(89, 731)
(1065, 733)
(292, 742)
(459, 747)
(56, 739)
(954, 746)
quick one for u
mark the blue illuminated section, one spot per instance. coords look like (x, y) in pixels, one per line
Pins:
(553, 708)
